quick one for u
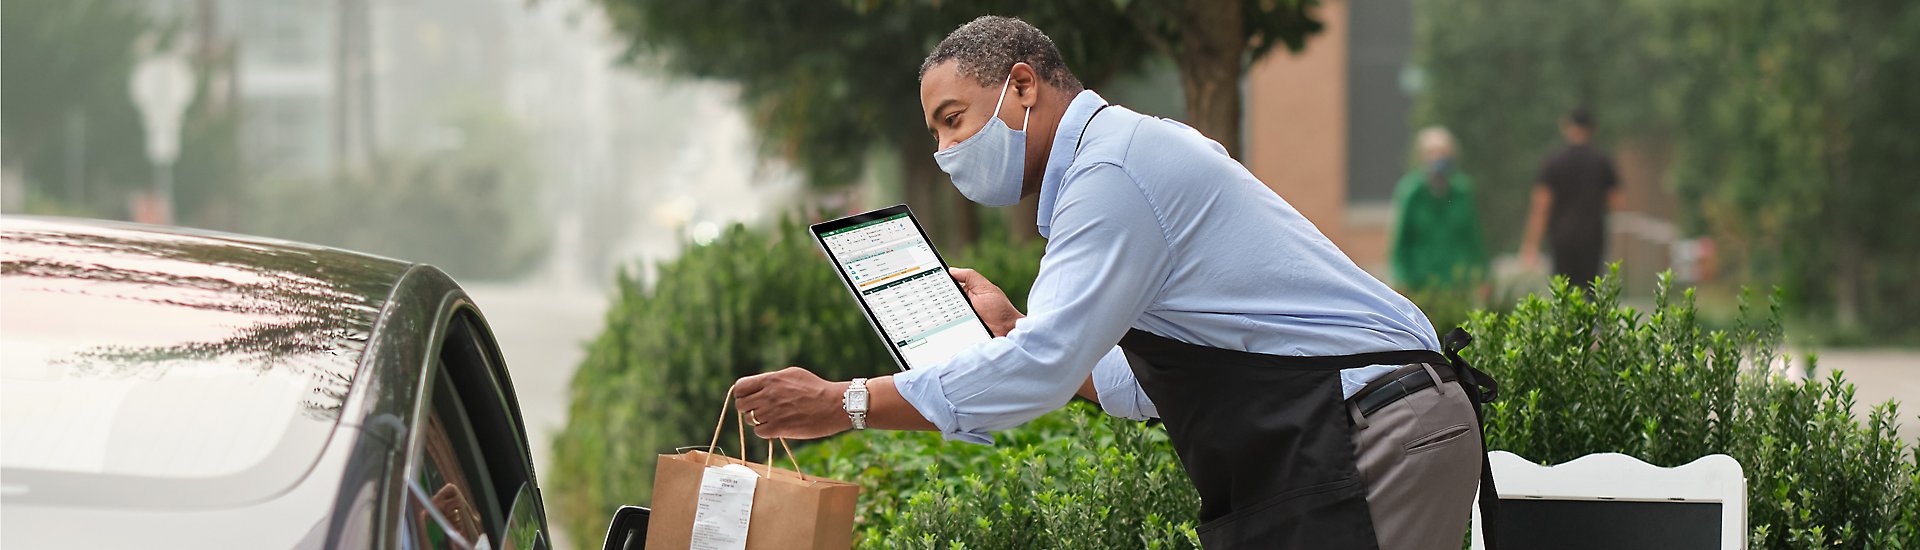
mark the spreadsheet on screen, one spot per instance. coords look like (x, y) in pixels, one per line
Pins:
(895, 272)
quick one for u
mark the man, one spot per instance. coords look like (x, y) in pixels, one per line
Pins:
(1436, 242)
(1570, 199)
(1237, 322)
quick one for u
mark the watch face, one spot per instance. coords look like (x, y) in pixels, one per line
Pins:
(857, 401)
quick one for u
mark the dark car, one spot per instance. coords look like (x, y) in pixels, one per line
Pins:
(173, 388)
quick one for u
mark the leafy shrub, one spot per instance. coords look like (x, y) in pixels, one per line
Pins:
(1075, 478)
(1583, 375)
(747, 303)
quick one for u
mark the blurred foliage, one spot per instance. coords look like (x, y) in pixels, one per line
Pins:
(468, 209)
(1789, 125)
(749, 302)
(68, 120)
(1581, 374)
(1794, 124)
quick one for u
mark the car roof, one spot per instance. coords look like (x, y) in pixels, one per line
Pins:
(174, 355)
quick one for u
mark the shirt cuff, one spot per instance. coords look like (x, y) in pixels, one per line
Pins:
(1120, 394)
(921, 388)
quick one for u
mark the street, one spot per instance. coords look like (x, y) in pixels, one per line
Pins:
(1878, 375)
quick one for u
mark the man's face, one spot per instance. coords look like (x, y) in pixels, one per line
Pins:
(1572, 132)
(1432, 150)
(956, 107)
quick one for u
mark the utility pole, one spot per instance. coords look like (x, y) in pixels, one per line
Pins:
(342, 87)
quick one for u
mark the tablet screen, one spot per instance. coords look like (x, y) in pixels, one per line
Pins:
(885, 258)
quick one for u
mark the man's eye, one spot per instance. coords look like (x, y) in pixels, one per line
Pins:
(953, 119)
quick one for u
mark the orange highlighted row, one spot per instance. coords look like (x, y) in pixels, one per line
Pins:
(884, 279)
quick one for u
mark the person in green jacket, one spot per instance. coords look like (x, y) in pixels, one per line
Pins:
(1437, 243)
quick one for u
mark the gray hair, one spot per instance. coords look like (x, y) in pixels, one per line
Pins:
(988, 47)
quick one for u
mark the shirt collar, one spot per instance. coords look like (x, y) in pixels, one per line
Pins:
(1066, 140)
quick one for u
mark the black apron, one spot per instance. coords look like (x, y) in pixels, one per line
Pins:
(1267, 441)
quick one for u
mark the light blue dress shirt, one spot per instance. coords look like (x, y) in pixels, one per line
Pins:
(1151, 225)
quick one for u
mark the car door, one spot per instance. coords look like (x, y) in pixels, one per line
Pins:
(470, 475)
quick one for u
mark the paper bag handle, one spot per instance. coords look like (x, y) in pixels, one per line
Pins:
(740, 420)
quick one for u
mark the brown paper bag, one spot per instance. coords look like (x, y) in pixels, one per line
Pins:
(791, 510)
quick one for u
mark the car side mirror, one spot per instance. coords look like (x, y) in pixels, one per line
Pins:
(628, 530)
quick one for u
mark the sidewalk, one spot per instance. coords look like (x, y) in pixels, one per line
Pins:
(1878, 375)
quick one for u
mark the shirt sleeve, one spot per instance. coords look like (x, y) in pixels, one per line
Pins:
(1546, 176)
(1120, 393)
(1105, 263)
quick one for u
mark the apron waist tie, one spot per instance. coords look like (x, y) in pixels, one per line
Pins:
(1481, 389)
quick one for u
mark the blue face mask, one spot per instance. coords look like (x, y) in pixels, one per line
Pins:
(988, 167)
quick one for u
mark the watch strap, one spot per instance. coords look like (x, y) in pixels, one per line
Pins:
(859, 417)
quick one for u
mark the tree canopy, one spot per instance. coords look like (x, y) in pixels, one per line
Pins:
(828, 81)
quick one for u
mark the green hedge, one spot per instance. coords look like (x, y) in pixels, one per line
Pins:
(749, 302)
(1582, 375)
(1579, 375)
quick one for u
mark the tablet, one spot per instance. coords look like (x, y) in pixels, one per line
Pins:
(885, 259)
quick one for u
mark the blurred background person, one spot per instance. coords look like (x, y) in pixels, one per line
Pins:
(1437, 243)
(1571, 195)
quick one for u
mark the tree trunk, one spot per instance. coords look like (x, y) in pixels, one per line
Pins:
(1021, 218)
(1209, 53)
(962, 216)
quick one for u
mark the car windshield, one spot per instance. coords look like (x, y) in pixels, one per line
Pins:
(130, 355)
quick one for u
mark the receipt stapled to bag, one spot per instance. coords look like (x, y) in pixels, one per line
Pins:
(725, 508)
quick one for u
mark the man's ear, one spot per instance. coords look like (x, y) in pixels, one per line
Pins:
(1026, 84)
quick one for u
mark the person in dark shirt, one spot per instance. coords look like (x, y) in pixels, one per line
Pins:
(1570, 200)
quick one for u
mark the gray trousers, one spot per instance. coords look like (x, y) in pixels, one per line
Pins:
(1420, 462)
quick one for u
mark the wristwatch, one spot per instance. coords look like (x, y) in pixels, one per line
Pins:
(855, 401)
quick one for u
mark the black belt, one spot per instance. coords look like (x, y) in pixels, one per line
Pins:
(1398, 384)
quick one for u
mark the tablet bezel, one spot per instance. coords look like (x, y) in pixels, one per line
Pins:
(820, 240)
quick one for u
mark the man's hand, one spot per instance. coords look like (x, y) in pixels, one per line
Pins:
(987, 300)
(1530, 259)
(792, 404)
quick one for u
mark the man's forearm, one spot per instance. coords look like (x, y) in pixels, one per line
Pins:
(1537, 219)
(888, 410)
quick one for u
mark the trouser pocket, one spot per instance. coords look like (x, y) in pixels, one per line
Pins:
(1330, 516)
(1438, 439)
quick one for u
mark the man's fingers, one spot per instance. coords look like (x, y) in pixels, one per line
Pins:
(749, 385)
(966, 276)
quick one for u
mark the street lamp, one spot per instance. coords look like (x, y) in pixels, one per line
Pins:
(162, 86)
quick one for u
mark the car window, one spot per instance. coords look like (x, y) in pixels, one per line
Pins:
(453, 505)
(524, 523)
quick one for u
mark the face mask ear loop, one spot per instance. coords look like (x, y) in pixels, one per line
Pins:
(1025, 118)
(1003, 100)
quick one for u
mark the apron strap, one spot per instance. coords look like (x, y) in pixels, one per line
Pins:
(1481, 388)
